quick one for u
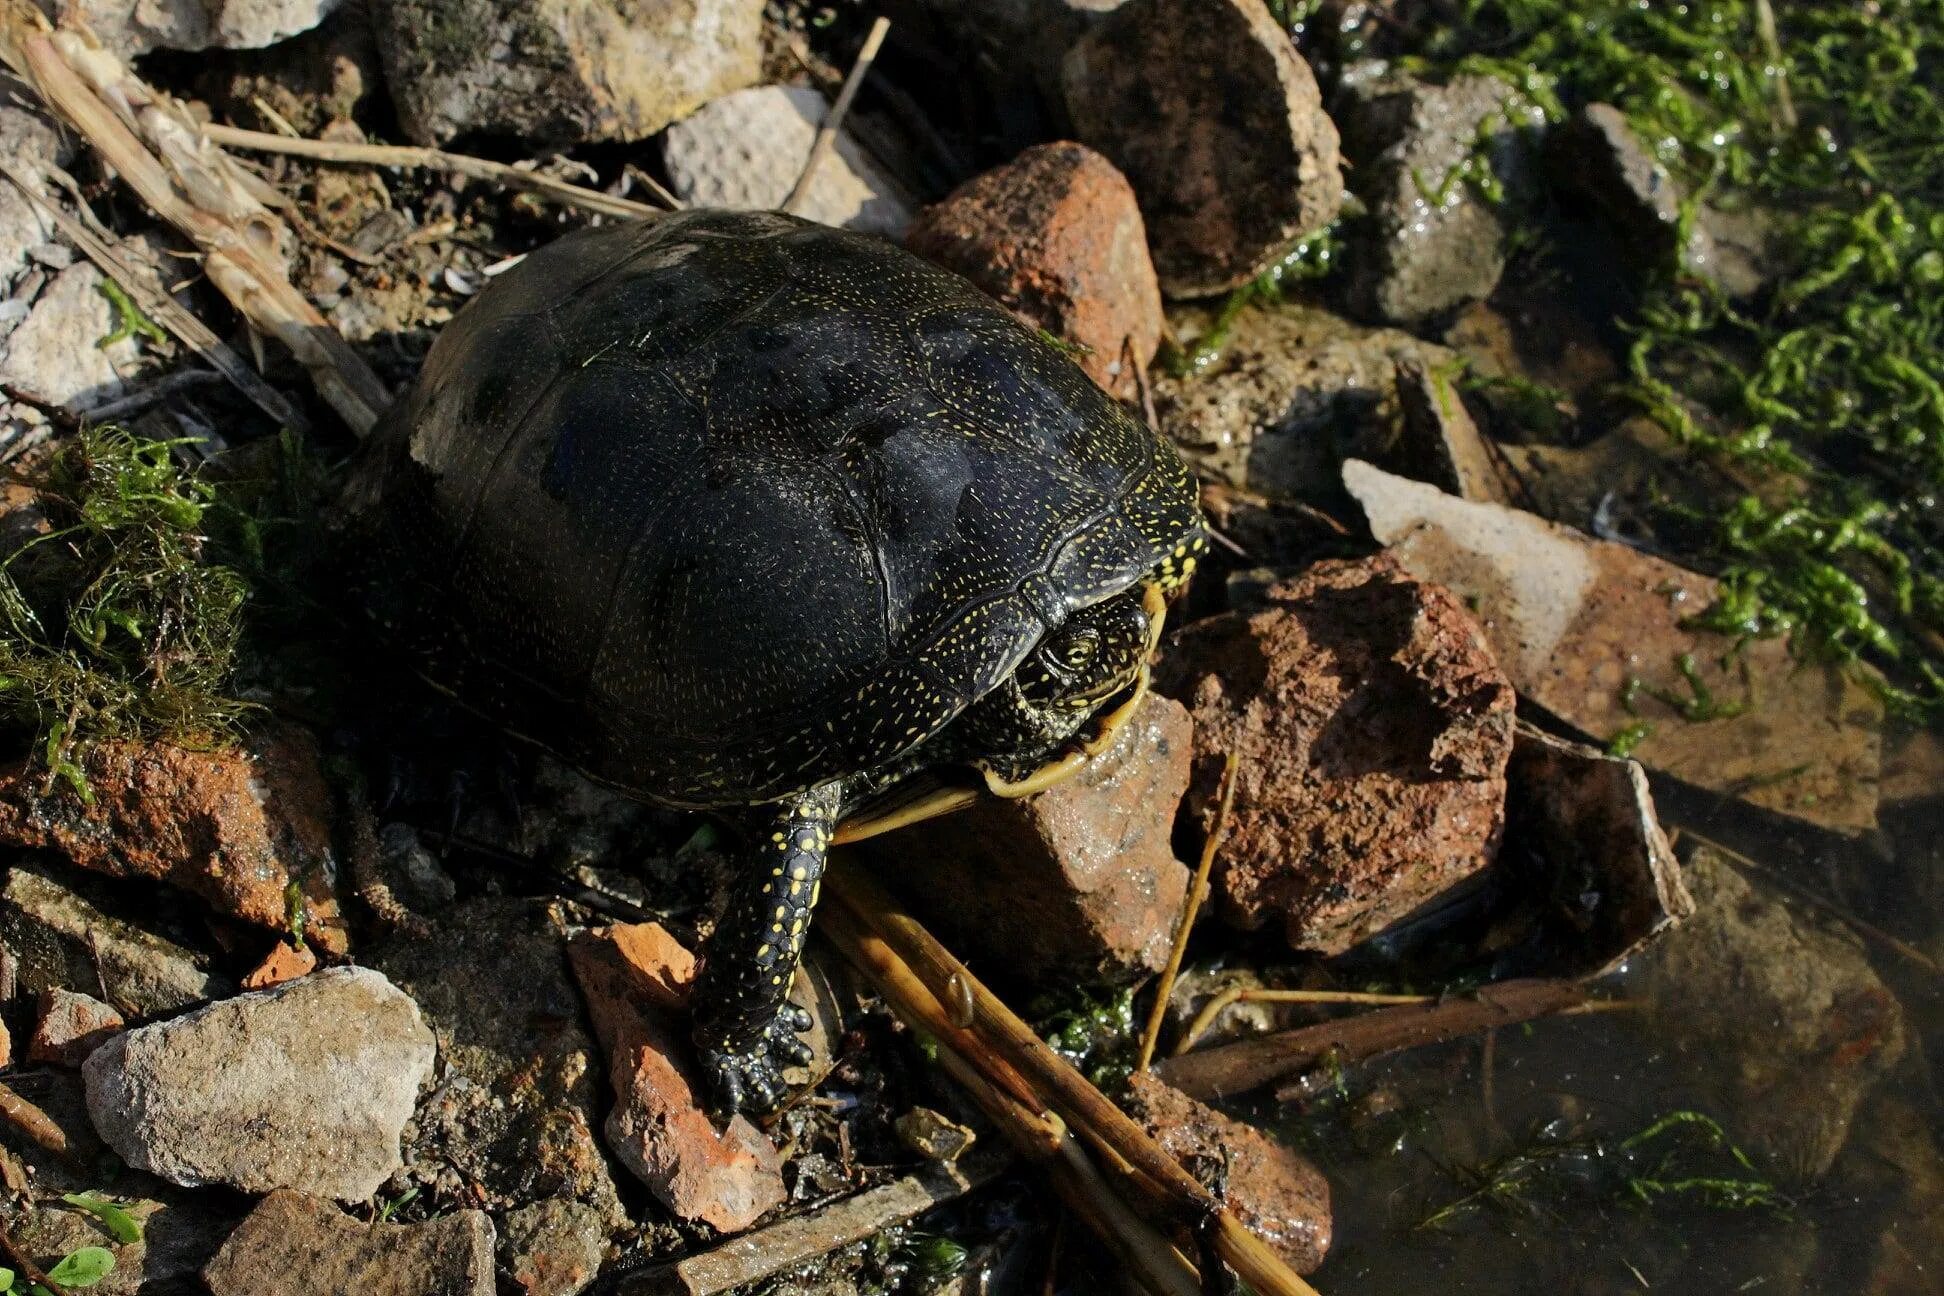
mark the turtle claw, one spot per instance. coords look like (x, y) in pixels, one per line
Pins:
(751, 1079)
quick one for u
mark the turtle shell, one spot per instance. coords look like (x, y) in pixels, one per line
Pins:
(726, 504)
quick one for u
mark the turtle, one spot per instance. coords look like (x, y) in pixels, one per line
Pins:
(741, 513)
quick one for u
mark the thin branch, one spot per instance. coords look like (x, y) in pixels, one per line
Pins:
(1220, 1003)
(1197, 892)
(199, 189)
(827, 133)
(163, 309)
(898, 954)
(1231, 1069)
(429, 159)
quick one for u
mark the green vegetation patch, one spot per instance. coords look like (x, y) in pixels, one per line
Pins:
(1825, 396)
(113, 621)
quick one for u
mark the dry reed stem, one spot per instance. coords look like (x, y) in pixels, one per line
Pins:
(1197, 893)
(827, 133)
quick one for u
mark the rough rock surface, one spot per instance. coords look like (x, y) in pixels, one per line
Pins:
(283, 963)
(1433, 164)
(31, 143)
(1079, 881)
(293, 1245)
(1215, 119)
(1272, 1189)
(1292, 390)
(52, 354)
(1588, 819)
(513, 1114)
(745, 151)
(1599, 158)
(1439, 441)
(636, 978)
(304, 1086)
(1811, 1028)
(1057, 237)
(231, 827)
(562, 73)
(1574, 619)
(70, 1027)
(1423, 156)
(57, 935)
(553, 1247)
(130, 27)
(1373, 729)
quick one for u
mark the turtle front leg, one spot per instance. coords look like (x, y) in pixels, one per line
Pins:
(745, 1026)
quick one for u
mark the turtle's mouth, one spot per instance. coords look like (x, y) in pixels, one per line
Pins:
(1117, 709)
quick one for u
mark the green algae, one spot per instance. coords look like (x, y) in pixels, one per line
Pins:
(114, 621)
(1826, 392)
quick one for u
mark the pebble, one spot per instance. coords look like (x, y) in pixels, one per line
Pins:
(304, 1086)
(70, 1026)
(294, 1245)
(232, 827)
(54, 354)
(1217, 122)
(127, 29)
(1057, 237)
(1079, 881)
(745, 150)
(1372, 728)
(636, 978)
(1272, 1189)
(552, 1247)
(561, 73)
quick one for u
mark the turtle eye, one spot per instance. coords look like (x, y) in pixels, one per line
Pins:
(1077, 650)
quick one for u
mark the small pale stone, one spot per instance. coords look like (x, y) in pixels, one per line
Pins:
(293, 1245)
(303, 1086)
(745, 150)
(70, 1027)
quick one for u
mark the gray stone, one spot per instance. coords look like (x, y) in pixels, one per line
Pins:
(305, 1085)
(58, 936)
(1423, 158)
(1782, 1007)
(745, 151)
(1599, 159)
(1293, 390)
(1216, 121)
(553, 1247)
(30, 143)
(131, 27)
(1600, 635)
(293, 1245)
(514, 1113)
(55, 353)
(562, 73)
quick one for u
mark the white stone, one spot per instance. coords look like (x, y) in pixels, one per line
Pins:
(131, 27)
(745, 150)
(55, 353)
(304, 1086)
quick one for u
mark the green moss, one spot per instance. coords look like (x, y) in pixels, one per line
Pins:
(1684, 1155)
(1828, 392)
(115, 622)
(1308, 259)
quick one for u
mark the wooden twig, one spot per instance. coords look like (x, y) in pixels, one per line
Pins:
(34, 1123)
(1197, 892)
(898, 953)
(199, 190)
(163, 309)
(430, 159)
(1219, 1003)
(1772, 47)
(754, 1256)
(827, 133)
(1009, 1103)
(1231, 1069)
